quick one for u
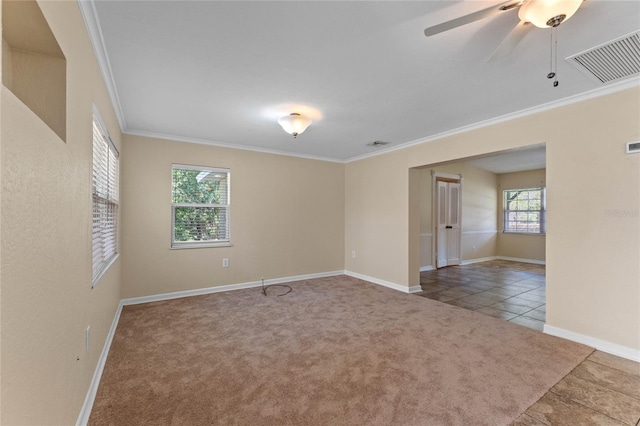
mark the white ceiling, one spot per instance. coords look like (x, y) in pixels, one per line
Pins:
(223, 72)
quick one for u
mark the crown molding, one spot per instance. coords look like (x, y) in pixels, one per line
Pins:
(184, 139)
(591, 94)
(92, 23)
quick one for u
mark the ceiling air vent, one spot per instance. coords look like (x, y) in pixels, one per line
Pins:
(378, 143)
(612, 61)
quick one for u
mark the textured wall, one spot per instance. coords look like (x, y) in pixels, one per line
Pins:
(287, 218)
(592, 248)
(47, 301)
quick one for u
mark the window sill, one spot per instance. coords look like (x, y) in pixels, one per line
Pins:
(104, 270)
(180, 246)
(524, 233)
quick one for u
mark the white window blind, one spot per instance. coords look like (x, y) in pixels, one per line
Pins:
(525, 210)
(105, 200)
(199, 206)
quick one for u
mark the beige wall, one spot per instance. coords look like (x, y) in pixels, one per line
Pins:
(287, 218)
(376, 227)
(592, 270)
(479, 189)
(520, 246)
(2, 67)
(45, 253)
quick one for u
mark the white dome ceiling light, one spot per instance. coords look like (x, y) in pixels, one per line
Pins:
(294, 123)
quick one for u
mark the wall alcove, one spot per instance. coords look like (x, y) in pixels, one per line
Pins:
(34, 67)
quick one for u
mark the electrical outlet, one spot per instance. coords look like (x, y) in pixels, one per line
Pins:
(473, 248)
(225, 262)
(88, 338)
(353, 254)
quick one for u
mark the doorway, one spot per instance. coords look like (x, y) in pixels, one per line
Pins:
(483, 181)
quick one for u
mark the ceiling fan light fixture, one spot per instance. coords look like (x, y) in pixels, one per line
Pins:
(548, 13)
(294, 123)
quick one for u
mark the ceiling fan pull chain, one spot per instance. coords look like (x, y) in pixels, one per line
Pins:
(555, 51)
(553, 57)
(551, 73)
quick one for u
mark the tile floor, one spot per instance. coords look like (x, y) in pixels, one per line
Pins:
(512, 291)
(602, 390)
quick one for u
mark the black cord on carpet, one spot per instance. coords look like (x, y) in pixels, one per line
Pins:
(264, 288)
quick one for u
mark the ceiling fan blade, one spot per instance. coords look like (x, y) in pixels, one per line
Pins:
(472, 17)
(511, 41)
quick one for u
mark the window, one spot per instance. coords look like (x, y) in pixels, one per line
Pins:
(199, 206)
(105, 200)
(525, 210)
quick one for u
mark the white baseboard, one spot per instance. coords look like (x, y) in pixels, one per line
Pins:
(478, 260)
(518, 259)
(427, 268)
(85, 412)
(486, 259)
(218, 289)
(414, 289)
(601, 345)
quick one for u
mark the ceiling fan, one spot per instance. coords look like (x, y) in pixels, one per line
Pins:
(540, 13)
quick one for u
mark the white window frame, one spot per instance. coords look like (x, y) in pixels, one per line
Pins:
(104, 199)
(542, 212)
(226, 242)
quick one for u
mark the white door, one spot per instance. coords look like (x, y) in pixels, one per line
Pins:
(453, 224)
(441, 227)
(448, 224)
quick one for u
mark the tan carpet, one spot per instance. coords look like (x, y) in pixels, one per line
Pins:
(335, 351)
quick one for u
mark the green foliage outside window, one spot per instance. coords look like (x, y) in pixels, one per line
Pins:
(200, 200)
